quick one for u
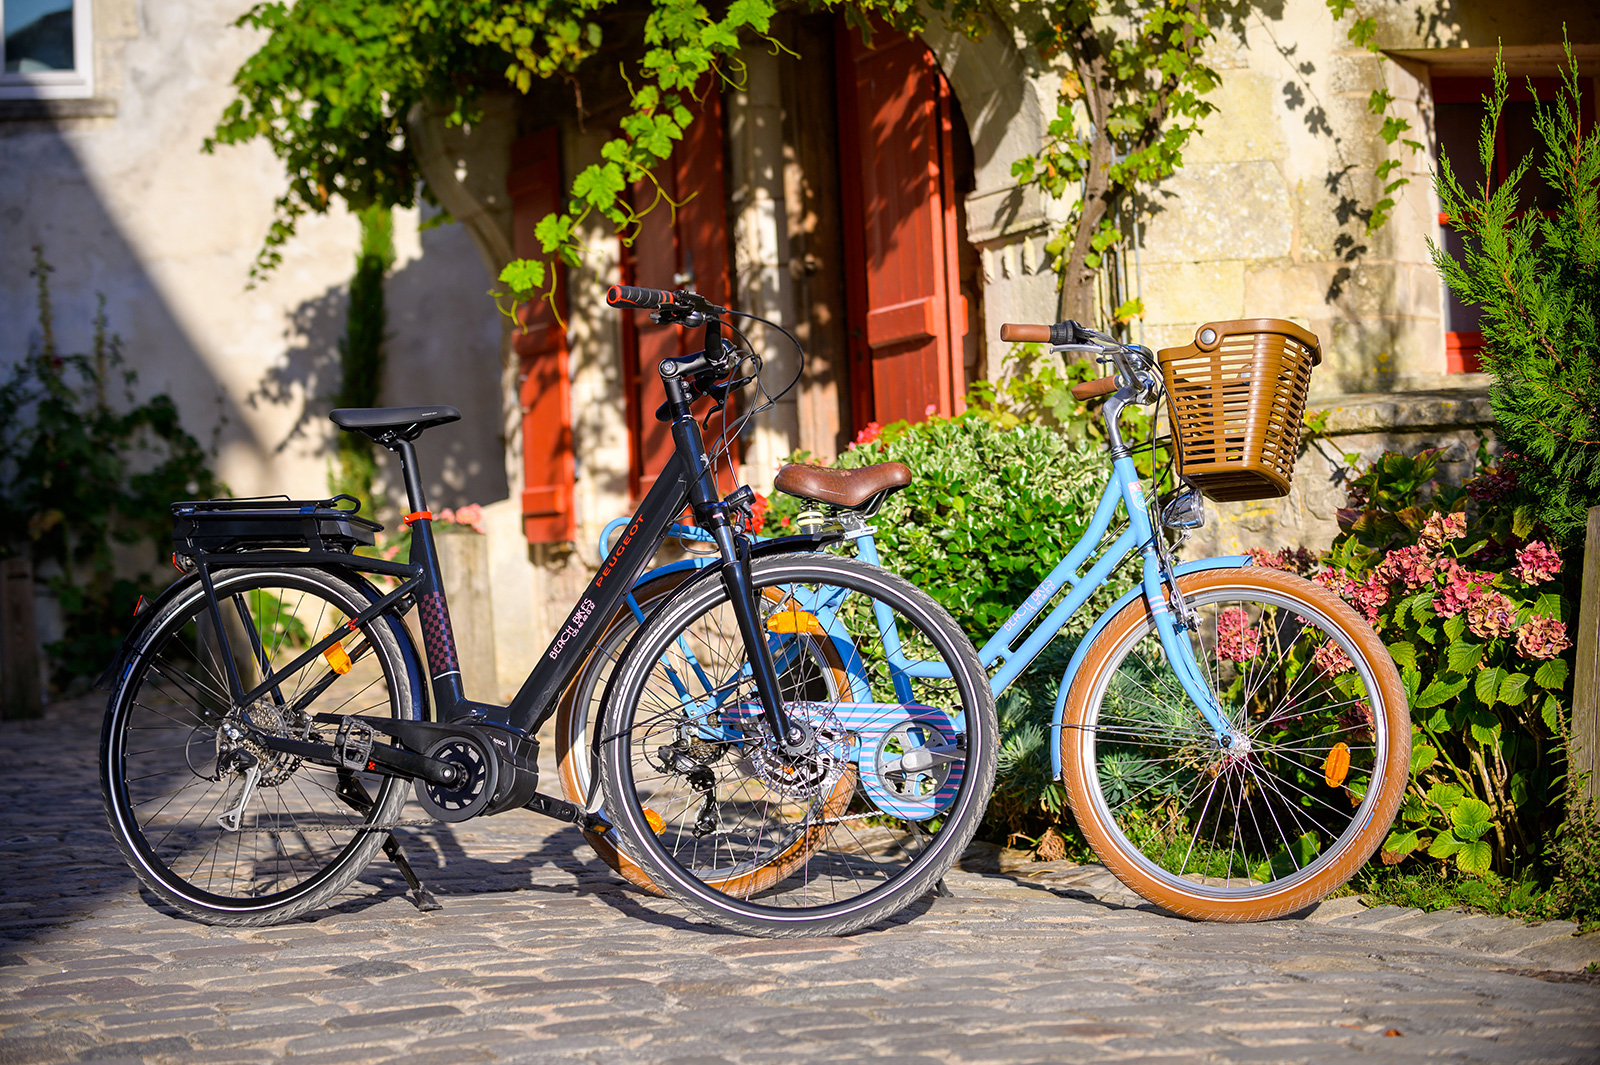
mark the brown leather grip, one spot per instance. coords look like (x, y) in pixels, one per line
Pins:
(1025, 334)
(1103, 386)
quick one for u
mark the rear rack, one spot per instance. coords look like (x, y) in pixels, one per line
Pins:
(214, 526)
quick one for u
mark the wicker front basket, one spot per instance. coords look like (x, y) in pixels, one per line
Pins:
(1236, 397)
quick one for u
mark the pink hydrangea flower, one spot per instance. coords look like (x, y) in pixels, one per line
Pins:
(1237, 639)
(930, 410)
(1542, 637)
(446, 515)
(1461, 587)
(1441, 527)
(1491, 615)
(1356, 721)
(1331, 659)
(1370, 595)
(1334, 581)
(471, 514)
(1412, 565)
(1536, 563)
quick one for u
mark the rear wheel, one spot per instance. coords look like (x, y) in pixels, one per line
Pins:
(1305, 790)
(863, 822)
(219, 825)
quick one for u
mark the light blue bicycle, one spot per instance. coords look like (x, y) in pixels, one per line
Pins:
(1234, 739)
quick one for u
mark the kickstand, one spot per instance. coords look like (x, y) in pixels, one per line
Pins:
(355, 796)
(424, 898)
(940, 891)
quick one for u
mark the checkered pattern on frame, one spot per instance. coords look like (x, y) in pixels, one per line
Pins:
(436, 634)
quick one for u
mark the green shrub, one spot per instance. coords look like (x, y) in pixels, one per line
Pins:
(89, 472)
(1477, 624)
(1536, 275)
(988, 514)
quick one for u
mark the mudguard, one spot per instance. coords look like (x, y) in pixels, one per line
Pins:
(416, 675)
(1196, 566)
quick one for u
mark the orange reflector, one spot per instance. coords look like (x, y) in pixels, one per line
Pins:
(1337, 765)
(652, 818)
(791, 619)
(338, 658)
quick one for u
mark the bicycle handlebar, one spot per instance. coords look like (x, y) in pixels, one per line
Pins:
(643, 298)
(1068, 332)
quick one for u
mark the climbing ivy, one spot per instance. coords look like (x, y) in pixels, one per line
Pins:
(1140, 83)
(1363, 33)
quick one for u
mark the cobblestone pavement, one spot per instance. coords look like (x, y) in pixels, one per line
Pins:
(539, 954)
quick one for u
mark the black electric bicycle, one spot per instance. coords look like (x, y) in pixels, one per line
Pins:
(269, 712)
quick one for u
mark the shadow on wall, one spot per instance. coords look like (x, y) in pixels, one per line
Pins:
(443, 346)
(46, 198)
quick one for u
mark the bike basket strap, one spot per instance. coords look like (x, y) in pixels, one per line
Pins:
(222, 525)
(1236, 397)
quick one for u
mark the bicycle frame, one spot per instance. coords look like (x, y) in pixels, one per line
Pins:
(674, 490)
(1124, 490)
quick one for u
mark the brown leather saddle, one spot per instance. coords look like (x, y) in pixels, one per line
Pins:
(862, 490)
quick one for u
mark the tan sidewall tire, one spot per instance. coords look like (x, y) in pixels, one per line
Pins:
(568, 753)
(1392, 782)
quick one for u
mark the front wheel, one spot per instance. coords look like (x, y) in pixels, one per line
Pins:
(900, 756)
(1301, 795)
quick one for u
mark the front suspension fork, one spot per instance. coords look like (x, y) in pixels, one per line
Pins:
(741, 593)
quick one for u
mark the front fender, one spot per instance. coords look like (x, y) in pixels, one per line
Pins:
(1196, 566)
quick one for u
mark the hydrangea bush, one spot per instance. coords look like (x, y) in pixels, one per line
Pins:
(1477, 623)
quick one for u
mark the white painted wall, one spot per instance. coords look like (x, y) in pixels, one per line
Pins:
(126, 205)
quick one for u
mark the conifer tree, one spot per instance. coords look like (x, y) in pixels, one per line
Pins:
(1536, 277)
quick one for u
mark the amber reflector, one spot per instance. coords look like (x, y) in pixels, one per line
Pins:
(1337, 766)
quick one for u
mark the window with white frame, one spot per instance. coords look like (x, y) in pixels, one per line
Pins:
(49, 49)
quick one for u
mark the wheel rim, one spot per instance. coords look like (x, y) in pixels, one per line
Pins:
(177, 749)
(1275, 811)
(864, 853)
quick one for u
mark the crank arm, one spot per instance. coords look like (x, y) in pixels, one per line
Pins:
(391, 761)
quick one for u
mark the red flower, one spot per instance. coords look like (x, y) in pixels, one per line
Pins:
(867, 435)
(1536, 563)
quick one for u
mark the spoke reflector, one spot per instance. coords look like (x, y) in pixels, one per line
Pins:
(1337, 765)
(338, 658)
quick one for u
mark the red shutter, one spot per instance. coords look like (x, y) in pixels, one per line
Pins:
(907, 315)
(683, 249)
(544, 386)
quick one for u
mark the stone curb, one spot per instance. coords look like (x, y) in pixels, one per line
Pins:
(1545, 946)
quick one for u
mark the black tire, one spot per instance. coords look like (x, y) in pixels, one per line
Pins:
(168, 768)
(876, 835)
(1306, 792)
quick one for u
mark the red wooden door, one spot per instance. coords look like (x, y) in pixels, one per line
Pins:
(907, 315)
(686, 248)
(544, 385)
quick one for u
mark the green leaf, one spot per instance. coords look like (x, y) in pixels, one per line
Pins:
(1401, 843)
(1486, 685)
(1440, 691)
(1522, 521)
(1404, 655)
(1454, 627)
(1474, 857)
(1552, 674)
(1444, 845)
(1550, 714)
(1422, 756)
(1513, 689)
(524, 277)
(1445, 796)
(1462, 657)
(1470, 818)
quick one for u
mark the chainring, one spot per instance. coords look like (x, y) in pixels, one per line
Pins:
(476, 790)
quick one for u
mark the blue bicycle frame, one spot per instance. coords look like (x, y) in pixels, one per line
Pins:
(1124, 490)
